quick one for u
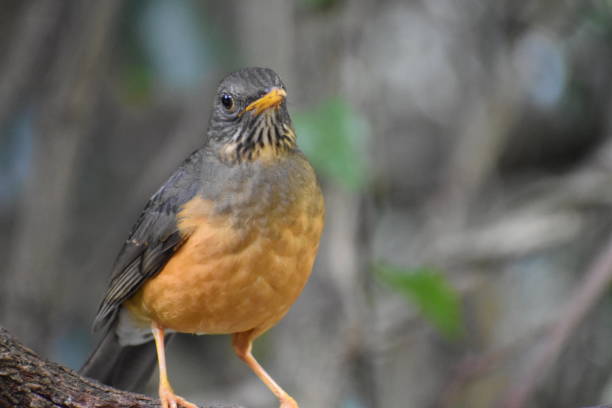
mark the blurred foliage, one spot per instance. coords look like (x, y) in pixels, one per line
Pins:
(170, 45)
(437, 300)
(598, 17)
(318, 4)
(333, 136)
(136, 74)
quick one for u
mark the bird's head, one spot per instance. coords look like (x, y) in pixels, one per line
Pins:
(250, 119)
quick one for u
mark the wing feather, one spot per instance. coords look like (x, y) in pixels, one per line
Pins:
(152, 241)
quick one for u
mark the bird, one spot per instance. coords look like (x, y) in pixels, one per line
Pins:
(225, 246)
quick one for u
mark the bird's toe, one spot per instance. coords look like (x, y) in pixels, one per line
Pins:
(288, 402)
(170, 400)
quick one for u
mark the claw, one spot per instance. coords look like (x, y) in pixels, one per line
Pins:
(170, 400)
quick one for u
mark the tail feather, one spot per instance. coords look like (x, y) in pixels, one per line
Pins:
(124, 367)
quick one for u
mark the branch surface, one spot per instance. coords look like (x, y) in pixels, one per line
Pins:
(26, 380)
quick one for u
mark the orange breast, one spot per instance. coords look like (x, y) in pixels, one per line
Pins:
(229, 278)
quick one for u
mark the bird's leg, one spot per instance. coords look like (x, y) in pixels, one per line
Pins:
(242, 343)
(166, 395)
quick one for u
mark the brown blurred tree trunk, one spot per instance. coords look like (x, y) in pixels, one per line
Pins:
(67, 106)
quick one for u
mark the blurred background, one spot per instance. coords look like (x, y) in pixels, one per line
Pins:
(465, 151)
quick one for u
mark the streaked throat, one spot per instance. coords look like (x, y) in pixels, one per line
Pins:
(264, 138)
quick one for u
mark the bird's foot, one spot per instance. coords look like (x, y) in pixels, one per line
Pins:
(288, 402)
(170, 400)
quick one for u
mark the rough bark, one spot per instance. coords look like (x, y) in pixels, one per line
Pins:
(26, 380)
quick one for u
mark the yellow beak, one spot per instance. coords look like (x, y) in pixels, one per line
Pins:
(270, 100)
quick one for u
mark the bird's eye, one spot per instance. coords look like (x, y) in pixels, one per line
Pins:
(227, 101)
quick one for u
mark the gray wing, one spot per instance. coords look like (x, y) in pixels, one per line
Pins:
(154, 239)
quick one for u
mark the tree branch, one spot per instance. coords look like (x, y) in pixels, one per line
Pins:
(26, 380)
(594, 285)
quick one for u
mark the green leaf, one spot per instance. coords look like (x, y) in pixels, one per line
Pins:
(334, 136)
(437, 300)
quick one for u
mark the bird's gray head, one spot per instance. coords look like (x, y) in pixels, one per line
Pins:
(250, 119)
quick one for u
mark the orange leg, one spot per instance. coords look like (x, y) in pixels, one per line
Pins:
(242, 343)
(167, 396)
